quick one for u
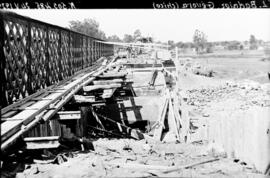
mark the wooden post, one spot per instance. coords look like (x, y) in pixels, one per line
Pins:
(173, 121)
(185, 121)
(176, 109)
(159, 128)
(96, 117)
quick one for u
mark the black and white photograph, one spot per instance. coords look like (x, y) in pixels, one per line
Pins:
(156, 92)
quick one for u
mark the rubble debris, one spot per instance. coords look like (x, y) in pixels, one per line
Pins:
(128, 157)
(138, 166)
(248, 93)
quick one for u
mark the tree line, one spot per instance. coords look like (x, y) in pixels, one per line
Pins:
(199, 42)
(91, 27)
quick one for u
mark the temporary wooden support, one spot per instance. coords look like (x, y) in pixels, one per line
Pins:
(153, 78)
(99, 102)
(108, 72)
(108, 93)
(42, 142)
(112, 75)
(84, 99)
(178, 118)
(159, 126)
(136, 134)
(107, 82)
(103, 102)
(173, 121)
(185, 122)
(98, 87)
(96, 117)
(69, 115)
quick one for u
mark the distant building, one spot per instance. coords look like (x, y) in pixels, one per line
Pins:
(219, 47)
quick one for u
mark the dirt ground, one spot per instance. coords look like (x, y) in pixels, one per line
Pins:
(130, 158)
(232, 107)
(236, 65)
(238, 84)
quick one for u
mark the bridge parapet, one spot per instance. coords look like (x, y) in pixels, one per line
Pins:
(35, 55)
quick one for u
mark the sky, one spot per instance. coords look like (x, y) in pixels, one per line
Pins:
(169, 24)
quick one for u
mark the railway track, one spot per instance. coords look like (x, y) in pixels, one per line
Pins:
(19, 117)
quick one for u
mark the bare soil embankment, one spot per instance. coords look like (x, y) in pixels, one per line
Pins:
(231, 110)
